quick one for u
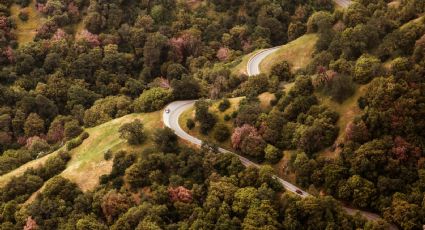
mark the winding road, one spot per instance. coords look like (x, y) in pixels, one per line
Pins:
(171, 120)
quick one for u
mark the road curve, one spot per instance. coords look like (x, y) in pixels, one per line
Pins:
(171, 120)
(343, 3)
(253, 66)
(176, 108)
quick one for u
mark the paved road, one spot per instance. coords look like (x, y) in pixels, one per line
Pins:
(253, 66)
(171, 120)
(343, 3)
(176, 108)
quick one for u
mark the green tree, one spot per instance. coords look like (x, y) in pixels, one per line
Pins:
(366, 68)
(166, 140)
(152, 99)
(272, 154)
(133, 132)
(221, 132)
(34, 125)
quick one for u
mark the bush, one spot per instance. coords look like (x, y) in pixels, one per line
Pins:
(72, 144)
(221, 132)
(133, 132)
(84, 135)
(227, 117)
(190, 124)
(224, 105)
(23, 15)
(107, 155)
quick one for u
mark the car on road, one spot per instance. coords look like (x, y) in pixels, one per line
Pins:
(167, 110)
(299, 191)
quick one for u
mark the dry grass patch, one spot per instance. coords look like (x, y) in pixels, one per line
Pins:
(26, 31)
(298, 53)
(87, 162)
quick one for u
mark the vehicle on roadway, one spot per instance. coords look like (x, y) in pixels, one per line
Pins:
(299, 191)
(167, 110)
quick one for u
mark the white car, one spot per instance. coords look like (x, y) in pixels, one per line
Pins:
(167, 110)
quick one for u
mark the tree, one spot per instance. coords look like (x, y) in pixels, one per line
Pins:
(152, 99)
(166, 140)
(272, 154)
(186, 88)
(204, 117)
(34, 125)
(366, 68)
(224, 105)
(320, 21)
(133, 132)
(72, 129)
(114, 204)
(282, 70)
(221, 132)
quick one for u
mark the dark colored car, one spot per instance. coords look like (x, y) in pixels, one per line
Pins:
(299, 191)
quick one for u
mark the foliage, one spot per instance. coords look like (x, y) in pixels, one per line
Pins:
(152, 99)
(133, 132)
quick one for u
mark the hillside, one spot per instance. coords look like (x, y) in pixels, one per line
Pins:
(87, 163)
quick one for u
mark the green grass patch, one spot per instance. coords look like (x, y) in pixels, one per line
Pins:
(298, 53)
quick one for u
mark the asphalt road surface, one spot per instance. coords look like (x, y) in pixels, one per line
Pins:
(343, 3)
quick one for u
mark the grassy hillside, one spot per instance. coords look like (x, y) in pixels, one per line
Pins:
(298, 53)
(26, 31)
(87, 162)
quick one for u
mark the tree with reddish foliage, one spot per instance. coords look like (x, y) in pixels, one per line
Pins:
(357, 131)
(92, 39)
(240, 133)
(114, 204)
(403, 150)
(59, 35)
(31, 224)
(223, 54)
(185, 45)
(180, 194)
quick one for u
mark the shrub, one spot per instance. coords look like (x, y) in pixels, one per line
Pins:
(221, 132)
(84, 135)
(72, 144)
(190, 124)
(227, 117)
(224, 105)
(133, 132)
(23, 15)
(107, 155)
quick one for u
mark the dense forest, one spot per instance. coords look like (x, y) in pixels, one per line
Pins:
(90, 62)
